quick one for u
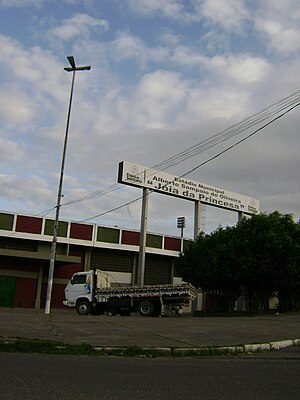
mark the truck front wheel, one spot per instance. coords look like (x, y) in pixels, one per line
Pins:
(110, 312)
(83, 308)
(146, 308)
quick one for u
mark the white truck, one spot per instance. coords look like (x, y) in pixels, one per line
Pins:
(91, 292)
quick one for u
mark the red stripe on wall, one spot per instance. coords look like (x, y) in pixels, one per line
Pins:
(172, 244)
(131, 238)
(29, 224)
(80, 231)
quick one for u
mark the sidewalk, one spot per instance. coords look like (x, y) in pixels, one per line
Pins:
(186, 332)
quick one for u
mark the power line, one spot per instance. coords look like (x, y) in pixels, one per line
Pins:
(204, 162)
(282, 106)
(212, 141)
(112, 188)
(239, 141)
(232, 131)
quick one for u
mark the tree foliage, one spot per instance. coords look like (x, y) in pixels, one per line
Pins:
(259, 256)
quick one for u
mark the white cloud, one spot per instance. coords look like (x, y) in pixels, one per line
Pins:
(78, 26)
(21, 3)
(187, 56)
(27, 67)
(26, 191)
(243, 69)
(127, 46)
(209, 104)
(169, 8)
(170, 39)
(229, 14)
(33, 96)
(15, 107)
(281, 39)
(37, 3)
(11, 151)
(279, 25)
(159, 100)
(154, 103)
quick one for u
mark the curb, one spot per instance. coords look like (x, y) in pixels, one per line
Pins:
(227, 350)
(135, 351)
(202, 351)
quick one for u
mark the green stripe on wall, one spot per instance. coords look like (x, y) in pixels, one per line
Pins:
(7, 291)
(154, 241)
(186, 244)
(6, 221)
(62, 228)
(108, 235)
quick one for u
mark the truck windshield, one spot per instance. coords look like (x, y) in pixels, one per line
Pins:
(78, 279)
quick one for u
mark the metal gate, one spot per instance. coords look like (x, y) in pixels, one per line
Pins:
(7, 290)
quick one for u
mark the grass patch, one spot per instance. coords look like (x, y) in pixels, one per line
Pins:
(134, 351)
(45, 347)
(51, 347)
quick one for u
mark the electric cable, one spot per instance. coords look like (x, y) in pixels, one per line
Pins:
(287, 104)
(208, 143)
(201, 164)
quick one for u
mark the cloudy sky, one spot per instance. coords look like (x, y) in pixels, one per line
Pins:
(166, 75)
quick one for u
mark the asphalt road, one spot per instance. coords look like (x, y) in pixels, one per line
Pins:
(37, 376)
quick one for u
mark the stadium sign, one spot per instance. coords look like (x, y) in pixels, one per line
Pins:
(162, 182)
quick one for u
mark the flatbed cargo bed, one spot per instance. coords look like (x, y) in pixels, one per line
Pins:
(147, 291)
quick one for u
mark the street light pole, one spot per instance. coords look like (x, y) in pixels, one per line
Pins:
(73, 69)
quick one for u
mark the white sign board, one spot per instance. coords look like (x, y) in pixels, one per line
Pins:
(158, 181)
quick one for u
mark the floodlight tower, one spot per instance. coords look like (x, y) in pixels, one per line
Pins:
(181, 224)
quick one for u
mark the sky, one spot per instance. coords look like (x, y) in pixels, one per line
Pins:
(165, 76)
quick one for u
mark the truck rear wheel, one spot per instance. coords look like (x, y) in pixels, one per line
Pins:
(146, 308)
(83, 308)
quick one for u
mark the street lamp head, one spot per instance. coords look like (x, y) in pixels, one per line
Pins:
(71, 61)
(83, 68)
(73, 66)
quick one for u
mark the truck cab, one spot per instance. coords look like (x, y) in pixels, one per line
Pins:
(79, 291)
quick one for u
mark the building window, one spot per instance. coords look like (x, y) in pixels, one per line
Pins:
(107, 260)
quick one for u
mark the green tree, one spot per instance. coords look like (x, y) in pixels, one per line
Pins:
(210, 264)
(270, 248)
(287, 266)
(260, 254)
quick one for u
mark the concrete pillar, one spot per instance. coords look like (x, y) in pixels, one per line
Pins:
(240, 215)
(197, 219)
(37, 303)
(134, 270)
(87, 259)
(142, 253)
